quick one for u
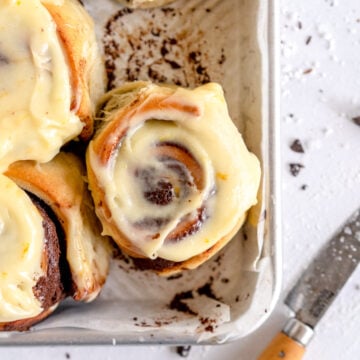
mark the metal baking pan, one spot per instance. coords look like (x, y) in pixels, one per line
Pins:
(190, 42)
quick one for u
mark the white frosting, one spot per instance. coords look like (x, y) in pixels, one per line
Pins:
(231, 174)
(21, 246)
(35, 89)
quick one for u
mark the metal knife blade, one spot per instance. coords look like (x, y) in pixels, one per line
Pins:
(316, 290)
(326, 275)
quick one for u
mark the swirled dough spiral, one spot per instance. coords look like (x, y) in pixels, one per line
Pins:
(50, 74)
(170, 174)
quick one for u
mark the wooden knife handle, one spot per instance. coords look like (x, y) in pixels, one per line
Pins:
(283, 347)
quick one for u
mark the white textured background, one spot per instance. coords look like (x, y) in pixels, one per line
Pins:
(320, 95)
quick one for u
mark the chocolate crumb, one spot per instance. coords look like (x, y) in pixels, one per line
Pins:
(200, 69)
(144, 324)
(183, 351)
(225, 280)
(219, 258)
(304, 187)
(207, 291)
(356, 120)
(164, 51)
(297, 146)
(299, 25)
(210, 324)
(237, 299)
(295, 168)
(67, 356)
(135, 318)
(174, 277)
(308, 40)
(155, 32)
(209, 328)
(307, 71)
(222, 58)
(178, 304)
(173, 64)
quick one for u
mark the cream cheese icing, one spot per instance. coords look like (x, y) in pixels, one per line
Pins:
(35, 88)
(21, 248)
(230, 173)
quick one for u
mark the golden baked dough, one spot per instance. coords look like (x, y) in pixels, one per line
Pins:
(76, 31)
(51, 74)
(30, 280)
(60, 184)
(171, 177)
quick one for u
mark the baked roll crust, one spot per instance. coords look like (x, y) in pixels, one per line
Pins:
(87, 74)
(60, 184)
(51, 73)
(170, 175)
(30, 271)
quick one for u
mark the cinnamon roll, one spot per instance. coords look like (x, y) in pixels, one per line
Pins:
(143, 4)
(51, 73)
(170, 175)
(30, 282)
(60, 185)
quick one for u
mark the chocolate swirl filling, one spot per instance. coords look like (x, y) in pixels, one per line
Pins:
(56, 283)
(180, 175)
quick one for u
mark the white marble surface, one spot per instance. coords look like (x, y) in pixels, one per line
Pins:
(320, 94)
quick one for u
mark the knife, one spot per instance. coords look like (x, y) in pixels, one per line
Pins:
(316, 290)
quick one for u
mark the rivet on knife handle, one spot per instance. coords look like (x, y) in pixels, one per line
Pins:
(283, 347)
